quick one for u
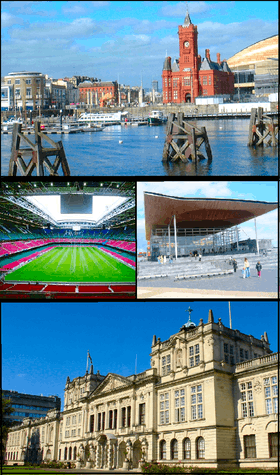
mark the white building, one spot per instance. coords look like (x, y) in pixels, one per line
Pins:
(210, 399)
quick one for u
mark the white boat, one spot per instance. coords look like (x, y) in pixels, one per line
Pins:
(106, 119)
(90, 127)
(8, 124)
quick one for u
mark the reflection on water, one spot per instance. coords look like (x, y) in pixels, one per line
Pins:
(140, 152)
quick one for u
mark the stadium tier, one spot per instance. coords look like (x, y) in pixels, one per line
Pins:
(50, 247)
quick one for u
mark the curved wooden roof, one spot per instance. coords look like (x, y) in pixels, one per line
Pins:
(200, 212)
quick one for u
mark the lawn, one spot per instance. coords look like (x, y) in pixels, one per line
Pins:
(73, 264)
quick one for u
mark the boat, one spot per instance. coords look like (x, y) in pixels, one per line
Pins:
(8, 124)
(155, 118)
(135, 121)
(89, 127)
(104, 119)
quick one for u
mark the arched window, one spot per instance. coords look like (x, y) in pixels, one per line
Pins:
(70, 453)
(200, 448)
(162, 450)
(75, 453)
(59, 454)
(65, 453)
(174, 449)
(186, 448)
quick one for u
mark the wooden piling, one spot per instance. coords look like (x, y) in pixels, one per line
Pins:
(37, 154)
(183, 140)
(263, 130)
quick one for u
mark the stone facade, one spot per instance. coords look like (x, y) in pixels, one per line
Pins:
(208, 400)
(189, 77)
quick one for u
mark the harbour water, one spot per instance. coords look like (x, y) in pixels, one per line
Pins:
(140, 152)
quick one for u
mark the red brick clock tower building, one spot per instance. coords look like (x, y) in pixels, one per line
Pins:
(188, 77)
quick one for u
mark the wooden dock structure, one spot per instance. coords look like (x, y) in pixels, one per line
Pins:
(37, 154)
(263, 130)
(183, 140)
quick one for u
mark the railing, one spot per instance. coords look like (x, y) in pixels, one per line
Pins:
(273, 358)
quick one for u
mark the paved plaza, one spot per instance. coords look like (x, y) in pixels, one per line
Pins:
(231, 285)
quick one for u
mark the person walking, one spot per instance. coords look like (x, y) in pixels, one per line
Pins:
(247, 267)
(199, 257)
(259, 268)
(234, 265)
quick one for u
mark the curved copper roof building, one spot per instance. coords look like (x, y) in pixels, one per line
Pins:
(200, 212)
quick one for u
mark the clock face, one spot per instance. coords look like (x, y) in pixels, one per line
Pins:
(187, 44)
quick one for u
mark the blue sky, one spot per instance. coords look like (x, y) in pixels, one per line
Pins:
(252, 190)
(108, 40)
(43, 343)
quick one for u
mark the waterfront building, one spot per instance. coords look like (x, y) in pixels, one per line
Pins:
(189, 77)
(29, 89)
(209, 399)
(97, 93)
(7, 97)
(256, 67)
(179, 226)
(29, 405)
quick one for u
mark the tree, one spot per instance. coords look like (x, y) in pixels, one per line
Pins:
(7, 422)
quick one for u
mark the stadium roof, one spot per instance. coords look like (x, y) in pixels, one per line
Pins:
(200, 212)
(34, 203)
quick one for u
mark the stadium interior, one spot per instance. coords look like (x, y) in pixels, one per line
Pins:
(87, 252)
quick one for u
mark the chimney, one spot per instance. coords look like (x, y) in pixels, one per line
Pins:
(218, 58)
(207, 54)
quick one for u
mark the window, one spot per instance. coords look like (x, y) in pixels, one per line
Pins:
(228, 353)
(142, 413)
(247, 404)
(123, 416)
(17, 92)
(115, 418)
(91, 423)
(166, 365)
(65, 453)
(162, 450)
(28, 81)
(175, 94)
(103, 420)
(249, 446)
(204, 80)
(164, 408)
(196, 402)
(271, 395)
(186, 448)
(99, 421)
(209, 80)
(74, 419)
(80, 418)
(180, 405)
(68, 421)
(200, 448)
(194, 359)
(241, 354)
(186, 81)
(175, 82)
(110, 419)
(17, 81)
(28, 92)
(174, 449)
(273, 444)
(128, 416)
(70, 453)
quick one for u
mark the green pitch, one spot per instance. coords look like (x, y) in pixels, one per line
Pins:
(74, 264)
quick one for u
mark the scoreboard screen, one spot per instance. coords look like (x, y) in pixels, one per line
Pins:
(76, 204)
